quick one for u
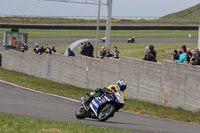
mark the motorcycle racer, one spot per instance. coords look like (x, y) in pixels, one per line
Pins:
(120, 87)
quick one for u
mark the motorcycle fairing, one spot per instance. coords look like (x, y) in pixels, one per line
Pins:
(97, 102)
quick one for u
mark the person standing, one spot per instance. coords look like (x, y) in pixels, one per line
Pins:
(36, 49)
(14, 41)
(47, 50)
(70, 52)
(82, 52)
(89, 50)
(116, 53)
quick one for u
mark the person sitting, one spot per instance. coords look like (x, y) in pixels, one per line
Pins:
(120, 87)
(70, 52)
(182, 57)
(116, 53)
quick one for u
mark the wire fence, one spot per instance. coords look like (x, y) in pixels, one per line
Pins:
(88, 19)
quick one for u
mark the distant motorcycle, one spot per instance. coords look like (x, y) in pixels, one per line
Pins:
(103, 39)
(102, 107)
(131, 40)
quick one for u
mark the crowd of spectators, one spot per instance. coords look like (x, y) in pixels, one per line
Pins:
(108, 53)
(187, 56)
(87, 49)
(21, 47)
(42, 49)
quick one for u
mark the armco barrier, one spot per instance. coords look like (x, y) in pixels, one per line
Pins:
(166, 83)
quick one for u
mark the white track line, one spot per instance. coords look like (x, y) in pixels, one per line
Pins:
(39, 91)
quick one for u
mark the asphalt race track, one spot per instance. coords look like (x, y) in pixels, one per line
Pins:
(114, 41)
(21, 102)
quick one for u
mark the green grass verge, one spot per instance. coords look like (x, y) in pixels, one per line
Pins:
(11, 124)
(137, 50)
(119, 34)
(76, 93)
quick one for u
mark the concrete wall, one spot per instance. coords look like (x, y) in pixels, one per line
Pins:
(167, 83)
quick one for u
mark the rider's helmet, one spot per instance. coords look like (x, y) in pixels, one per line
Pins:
(122, 85)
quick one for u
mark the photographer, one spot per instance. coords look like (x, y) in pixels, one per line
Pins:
(150, 54)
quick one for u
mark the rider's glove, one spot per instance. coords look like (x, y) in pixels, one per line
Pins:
(113, 88)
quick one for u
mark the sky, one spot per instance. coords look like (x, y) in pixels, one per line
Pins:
(151, 8)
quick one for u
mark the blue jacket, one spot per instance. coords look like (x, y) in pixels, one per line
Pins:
(182, 58)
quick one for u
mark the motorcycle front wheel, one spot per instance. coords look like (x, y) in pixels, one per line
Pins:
(80, 112)
(106, 112)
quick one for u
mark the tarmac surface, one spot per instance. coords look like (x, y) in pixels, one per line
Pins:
(55, 42)
(19, 101)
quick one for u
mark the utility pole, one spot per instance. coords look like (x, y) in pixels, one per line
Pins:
(108, 26)
(97, 37)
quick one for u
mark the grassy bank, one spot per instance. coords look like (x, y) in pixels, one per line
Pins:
(10, 124)
(119, 34)
(137, 50)
(76, 92)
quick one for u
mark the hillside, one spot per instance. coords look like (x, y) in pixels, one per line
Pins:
(190, 14)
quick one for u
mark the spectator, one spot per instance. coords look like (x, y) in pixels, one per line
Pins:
(53, 50)
(180, 52)
(18, 47)
(116, 53)
(152, 51)
(70, 52)
(14, 41)
(196, 50)
(189, 58)
(182, 57)
(47, 49)
(36, 48)
(89, 50)
(22, 48)
(184, 49)
(82, 52)
(188, 50)
(25, 47)
(109, 53)
(103, 52)
(41, 50)
(149, 56)
(196, 59)
(175, 55)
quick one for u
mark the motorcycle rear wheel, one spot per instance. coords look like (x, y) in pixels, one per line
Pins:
(80, 112)
(106, 112)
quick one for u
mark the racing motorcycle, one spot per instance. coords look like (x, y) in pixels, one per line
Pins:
(102, 107)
